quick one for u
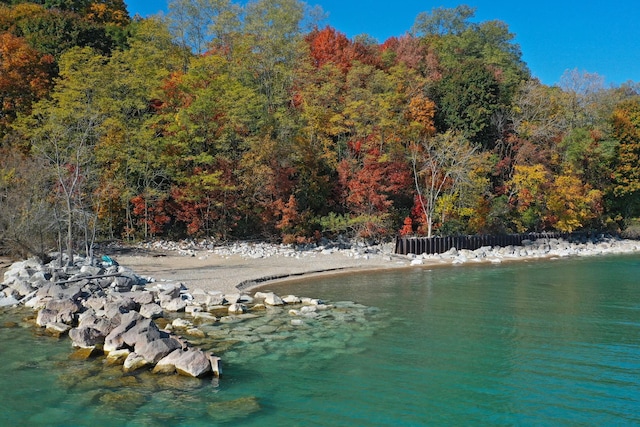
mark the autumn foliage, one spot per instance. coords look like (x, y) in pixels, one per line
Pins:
(228, 120)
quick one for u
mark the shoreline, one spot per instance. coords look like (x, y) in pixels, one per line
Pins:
(246, 268)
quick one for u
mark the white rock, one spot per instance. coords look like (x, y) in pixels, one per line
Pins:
(181, 323)
(291, 299)
(8, 301)
(237, 308)
(273, 299)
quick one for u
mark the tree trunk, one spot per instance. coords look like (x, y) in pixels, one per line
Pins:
(69, 233)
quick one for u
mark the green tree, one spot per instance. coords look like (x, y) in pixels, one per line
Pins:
(443, 21)
(64, 130)
(626, 174)
(467, 99)
(131, 151)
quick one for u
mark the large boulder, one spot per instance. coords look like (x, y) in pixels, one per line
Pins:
(192, 362)
(144, 330)
(66, 310)
(100, 323)
(46, 316)
(7, 301)
(114, 340)
(86, 337)
(172, 304)
(21, 287)
(269, 298)
(57, 329)
(153, 351)
(134, 362)
(237, 308)
(151, 311)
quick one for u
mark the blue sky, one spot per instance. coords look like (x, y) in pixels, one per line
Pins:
(554, 36)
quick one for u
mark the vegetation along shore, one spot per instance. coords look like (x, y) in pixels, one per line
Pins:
(238, 121)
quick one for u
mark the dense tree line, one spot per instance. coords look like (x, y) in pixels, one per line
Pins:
(234, 121)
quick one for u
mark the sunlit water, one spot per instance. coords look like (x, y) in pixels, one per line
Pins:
(531, 343)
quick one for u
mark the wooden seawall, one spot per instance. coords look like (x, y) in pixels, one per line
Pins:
(438, 245)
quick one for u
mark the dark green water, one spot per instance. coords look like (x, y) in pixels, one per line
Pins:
(536, 343)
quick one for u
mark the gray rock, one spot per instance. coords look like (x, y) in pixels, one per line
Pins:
(144, 330)
(46, 316)
(122, 283)
(153, 351)
(193, 363)
(272, 299)
(22, 287)
(232, 298)
(172, 290)
(114, 340)
(57, 329)
(66, 310)
(173, 304)
(181, 323)
(126, 302)
(91, 320)
(95, 303)
(86, 337)
(151, 311)
(213, 300)
(144, 297)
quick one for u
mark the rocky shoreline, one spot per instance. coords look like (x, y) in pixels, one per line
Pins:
(108, 310)
(138, 323)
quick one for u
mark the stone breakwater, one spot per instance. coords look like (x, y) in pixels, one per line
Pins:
(108, 310)
(537, 249)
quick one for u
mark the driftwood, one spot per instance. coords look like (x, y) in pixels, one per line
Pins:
(77, 279)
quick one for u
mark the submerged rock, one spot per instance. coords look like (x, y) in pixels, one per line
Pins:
(233, 410)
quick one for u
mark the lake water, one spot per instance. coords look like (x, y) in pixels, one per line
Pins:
(529, 343)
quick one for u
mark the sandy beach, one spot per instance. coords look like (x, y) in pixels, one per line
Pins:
(244, 267)
(213, 272)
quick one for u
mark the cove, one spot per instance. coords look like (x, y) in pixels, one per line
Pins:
(526, 343)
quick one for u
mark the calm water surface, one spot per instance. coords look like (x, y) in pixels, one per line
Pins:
(531, 343)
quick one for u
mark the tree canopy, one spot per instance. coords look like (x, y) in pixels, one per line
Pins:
(233, 120)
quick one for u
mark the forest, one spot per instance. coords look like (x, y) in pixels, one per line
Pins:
(225, 120)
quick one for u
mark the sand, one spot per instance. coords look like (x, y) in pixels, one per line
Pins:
(211, 272)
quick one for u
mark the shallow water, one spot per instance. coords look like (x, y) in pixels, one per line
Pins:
(531, 343)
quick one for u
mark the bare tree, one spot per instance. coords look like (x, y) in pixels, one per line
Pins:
(441, 165)
(27, 226)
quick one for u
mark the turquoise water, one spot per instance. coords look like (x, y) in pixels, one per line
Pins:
(530, 343)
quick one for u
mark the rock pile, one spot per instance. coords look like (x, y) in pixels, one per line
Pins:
(254, 250)
(107, 309)
(140, 324)
(542, 248)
